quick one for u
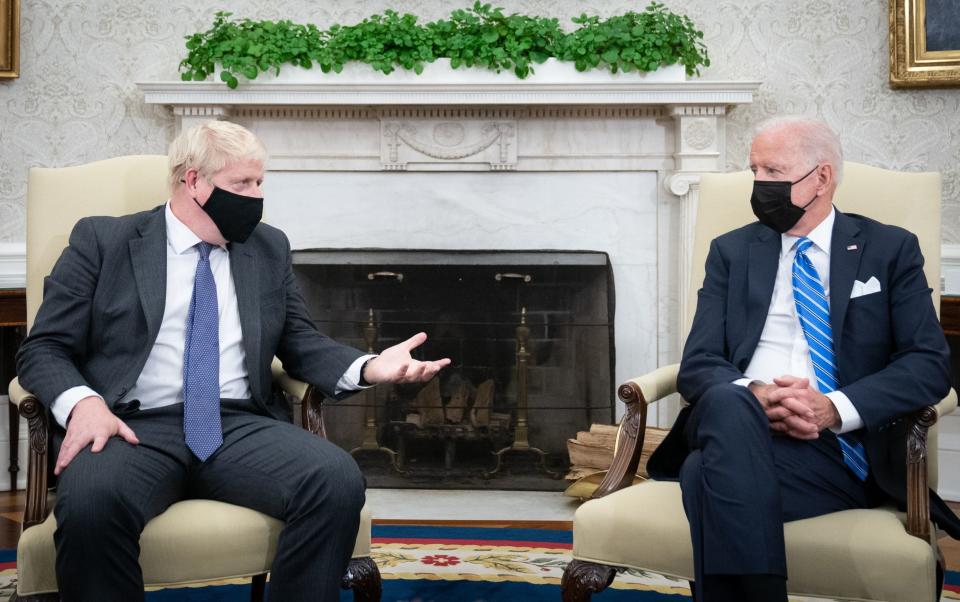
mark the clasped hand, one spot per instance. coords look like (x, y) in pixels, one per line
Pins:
(794, 408)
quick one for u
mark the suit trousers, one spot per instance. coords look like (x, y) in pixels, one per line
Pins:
(741, 482)
(105, 499)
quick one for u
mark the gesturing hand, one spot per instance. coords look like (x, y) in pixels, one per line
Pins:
(395, 365)
(90, 421)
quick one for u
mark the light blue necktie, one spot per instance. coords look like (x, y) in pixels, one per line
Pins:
(813, 309)
(201, 363)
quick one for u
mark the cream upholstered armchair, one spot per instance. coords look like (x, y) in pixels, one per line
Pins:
(876, 554)
(194, 540)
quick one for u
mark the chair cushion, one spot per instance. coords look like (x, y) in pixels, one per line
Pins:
(193, 541)
(855, 554)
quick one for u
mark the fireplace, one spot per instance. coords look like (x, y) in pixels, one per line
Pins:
(609, 165)
(530, 335)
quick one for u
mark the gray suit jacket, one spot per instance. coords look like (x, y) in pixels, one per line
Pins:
(104, 300)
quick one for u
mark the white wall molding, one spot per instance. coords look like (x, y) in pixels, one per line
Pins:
(950, 269)
(13, 265)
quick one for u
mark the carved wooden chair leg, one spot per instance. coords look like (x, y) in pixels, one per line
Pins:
(363, 577)
(258, 587)
(583, 579)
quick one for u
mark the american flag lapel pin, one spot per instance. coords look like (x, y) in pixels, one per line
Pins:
(851, 247)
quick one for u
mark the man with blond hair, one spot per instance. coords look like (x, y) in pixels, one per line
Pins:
(152, 349)
(814, 333)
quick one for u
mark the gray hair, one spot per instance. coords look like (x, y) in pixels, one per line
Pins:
(211, 146)
(816, 141)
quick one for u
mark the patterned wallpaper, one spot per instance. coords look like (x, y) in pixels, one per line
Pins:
(76, 100)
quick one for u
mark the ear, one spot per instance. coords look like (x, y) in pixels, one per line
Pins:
(826, 177)
(190, 178)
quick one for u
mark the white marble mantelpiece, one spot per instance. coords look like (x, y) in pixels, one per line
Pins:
(410, 94)
(593, 163)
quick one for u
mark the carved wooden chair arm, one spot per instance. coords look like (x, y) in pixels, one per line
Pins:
(35, 510)
(636, 394)
(918, 498)
(311, 402)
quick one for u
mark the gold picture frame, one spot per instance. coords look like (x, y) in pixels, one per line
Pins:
(915, 61)
(9, 38)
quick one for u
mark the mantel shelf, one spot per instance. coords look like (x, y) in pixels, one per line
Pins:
(515, 93)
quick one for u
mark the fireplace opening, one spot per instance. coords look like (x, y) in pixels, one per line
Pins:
(530, 336)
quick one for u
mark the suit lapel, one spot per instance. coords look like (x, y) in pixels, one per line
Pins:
(148, 255)
(846, 249)
(762, 264)
(246, 280)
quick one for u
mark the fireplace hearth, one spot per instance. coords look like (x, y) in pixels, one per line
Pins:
(530, 336)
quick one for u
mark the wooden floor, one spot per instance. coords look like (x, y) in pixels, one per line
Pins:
(11, 512)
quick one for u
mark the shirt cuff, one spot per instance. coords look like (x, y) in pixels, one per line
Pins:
(850, 419)
(743, 382)
(350, 381)
(65, 402)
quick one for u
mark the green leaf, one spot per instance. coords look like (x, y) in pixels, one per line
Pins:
(483, 36)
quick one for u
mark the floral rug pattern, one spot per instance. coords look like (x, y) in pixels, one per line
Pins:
(466, 554)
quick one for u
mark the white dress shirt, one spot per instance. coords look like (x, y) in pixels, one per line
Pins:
(783, 347)
(161, 381)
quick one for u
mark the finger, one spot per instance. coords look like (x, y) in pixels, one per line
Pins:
(777, 412)
(779, 426)
(127, 433)
(786, 380)
(401, 371)
(416, 374)
(796, 424)
(430, 371)
(441, 364)
(67, 453)
(797, 407)
(415, 341)
(778, 395)
(99, 442)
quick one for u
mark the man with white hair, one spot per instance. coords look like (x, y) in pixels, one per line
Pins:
(152, 349)
(795, 377)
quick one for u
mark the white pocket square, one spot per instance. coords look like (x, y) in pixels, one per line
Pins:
(865, 288)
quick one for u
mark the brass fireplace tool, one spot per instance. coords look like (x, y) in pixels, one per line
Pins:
(370, 428)
(521, 442)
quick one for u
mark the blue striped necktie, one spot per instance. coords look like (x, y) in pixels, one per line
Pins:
(813, 310)
(201, 363)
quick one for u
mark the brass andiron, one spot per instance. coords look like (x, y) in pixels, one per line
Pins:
(370, 428)
(521, 442)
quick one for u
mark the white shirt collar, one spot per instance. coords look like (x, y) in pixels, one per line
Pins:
(821, 235)
(179, 236)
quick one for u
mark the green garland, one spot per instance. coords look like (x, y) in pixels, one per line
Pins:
(481, 36)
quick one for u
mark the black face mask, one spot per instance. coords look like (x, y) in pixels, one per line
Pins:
(235, 215)
(772, 206)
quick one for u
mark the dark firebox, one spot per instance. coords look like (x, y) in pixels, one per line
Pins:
(530, 336)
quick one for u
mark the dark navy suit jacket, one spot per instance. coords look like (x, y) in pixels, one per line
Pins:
(891, 353)
(104, 301)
